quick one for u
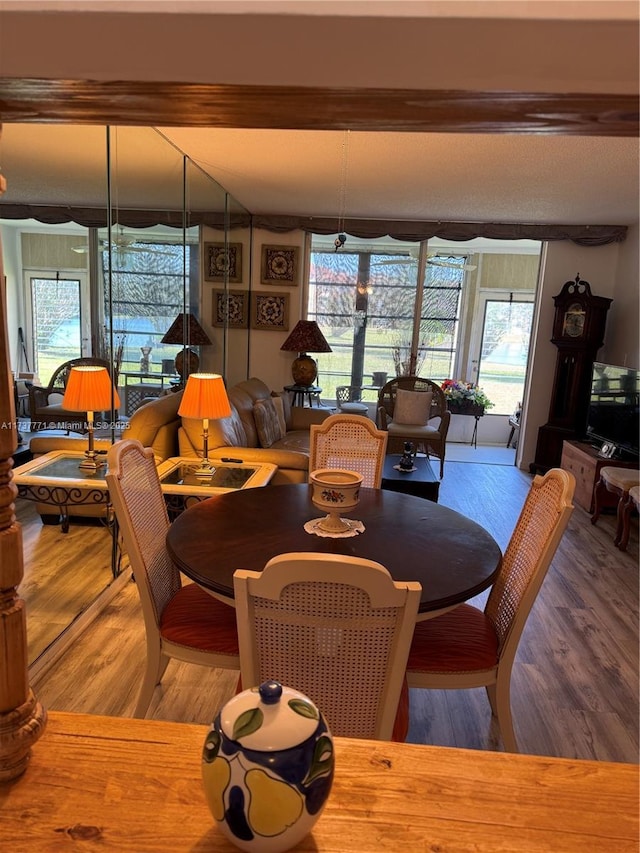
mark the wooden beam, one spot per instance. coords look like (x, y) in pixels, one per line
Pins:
(315, 108)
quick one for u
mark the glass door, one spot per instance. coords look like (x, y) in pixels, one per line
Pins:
(60, 325)
(501, 347)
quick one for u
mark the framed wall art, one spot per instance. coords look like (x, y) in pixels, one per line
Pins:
(270, 311)
(280, 265)
(220, 259)
(230, 307)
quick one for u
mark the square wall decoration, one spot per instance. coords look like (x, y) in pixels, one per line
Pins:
(223, 262)
(280, 265)
(230, 307)
(270, 311)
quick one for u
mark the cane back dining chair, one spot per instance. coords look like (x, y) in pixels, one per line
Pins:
(349, 441)
(336, 628)
(181, 622)
(407, 405)
(468, 647)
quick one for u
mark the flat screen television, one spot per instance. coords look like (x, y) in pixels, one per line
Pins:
(612, 418)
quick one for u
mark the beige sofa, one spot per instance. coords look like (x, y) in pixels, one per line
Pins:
(252, 434)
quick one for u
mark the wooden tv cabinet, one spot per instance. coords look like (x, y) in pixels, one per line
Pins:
(582, 460)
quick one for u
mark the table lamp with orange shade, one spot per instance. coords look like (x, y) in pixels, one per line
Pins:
(205, 398)
(89, 389)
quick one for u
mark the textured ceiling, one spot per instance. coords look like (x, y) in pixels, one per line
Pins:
(468, 177)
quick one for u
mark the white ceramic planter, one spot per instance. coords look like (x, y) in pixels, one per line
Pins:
(334, 491)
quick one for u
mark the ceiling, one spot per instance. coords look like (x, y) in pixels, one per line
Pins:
(488, 177)
(422, 176)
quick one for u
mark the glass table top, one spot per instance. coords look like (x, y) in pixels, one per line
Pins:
(68, 468)
(225, 478)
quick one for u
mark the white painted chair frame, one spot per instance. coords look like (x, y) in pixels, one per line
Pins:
(546, 512)
(351, 658)
(136, 496)
(351, 442)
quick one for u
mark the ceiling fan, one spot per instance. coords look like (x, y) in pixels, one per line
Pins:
(123, 244)
(430, 261)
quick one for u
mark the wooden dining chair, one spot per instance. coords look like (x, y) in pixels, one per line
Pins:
(468, 647)
(352, 442)
(336, 628)
(181, 622)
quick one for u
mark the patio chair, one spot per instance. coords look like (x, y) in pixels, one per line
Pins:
(468, 647)
(349, 441)
(336, 628)
(181, 622)
(348, 398)
(407, 405)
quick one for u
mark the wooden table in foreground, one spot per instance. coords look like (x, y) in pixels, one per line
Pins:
(133, 786)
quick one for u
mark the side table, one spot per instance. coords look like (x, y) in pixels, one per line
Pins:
(55, 478)
(181, 487)
(299, 392)
(422, 482)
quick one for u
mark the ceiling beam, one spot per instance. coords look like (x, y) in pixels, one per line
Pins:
(165, 104)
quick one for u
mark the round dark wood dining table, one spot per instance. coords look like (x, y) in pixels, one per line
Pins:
(451, 556)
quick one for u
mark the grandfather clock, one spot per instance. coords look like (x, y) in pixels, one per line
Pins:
(578, 332)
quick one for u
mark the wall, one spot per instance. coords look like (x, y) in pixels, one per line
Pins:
(623, 347)
(267, 361)
(602, 267)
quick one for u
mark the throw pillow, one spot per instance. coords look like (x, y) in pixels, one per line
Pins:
(267, 422)
(279, 404)
(412, 407)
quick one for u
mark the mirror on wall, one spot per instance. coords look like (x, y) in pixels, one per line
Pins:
(112, 284)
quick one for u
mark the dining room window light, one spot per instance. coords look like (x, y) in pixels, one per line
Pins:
(147, 295)
(375, 312)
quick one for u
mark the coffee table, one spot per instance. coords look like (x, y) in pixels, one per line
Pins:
(422, 482)
(452, 557)
(182, 488)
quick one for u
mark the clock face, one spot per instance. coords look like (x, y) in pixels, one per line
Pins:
(574, 318)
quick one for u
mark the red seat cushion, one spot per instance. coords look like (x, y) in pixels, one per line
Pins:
(196, 619)
(401, 723)
(462, 640)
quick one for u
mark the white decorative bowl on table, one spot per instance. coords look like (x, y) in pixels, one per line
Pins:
(334, 491)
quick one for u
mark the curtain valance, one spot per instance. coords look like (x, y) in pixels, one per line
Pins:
(409, 230)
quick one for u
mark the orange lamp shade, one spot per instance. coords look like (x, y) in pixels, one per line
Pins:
(89, 389)
(205, 397)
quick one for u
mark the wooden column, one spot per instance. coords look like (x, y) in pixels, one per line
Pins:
(22, 718)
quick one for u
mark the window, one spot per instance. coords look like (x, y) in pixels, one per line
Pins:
(148, 281)
(378, 319)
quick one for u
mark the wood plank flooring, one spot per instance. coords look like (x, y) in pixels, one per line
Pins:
(575, 680)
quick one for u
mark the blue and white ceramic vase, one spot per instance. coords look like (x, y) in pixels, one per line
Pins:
(267, 768)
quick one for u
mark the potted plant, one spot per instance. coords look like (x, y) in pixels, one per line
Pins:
(465, 398)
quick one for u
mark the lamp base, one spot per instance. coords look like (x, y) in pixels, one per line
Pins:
(304, 370)
(204, 471)
(191, 361)
(92, 462)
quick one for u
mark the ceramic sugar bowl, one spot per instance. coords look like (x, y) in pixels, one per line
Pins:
(267, 768)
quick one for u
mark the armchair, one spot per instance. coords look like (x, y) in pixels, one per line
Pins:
(45, 404)
(406, 407)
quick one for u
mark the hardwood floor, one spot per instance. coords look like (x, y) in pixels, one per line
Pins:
(575, 680)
